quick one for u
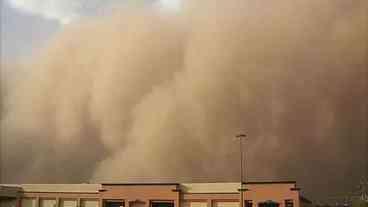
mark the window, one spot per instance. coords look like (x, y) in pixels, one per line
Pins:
(268, 203)
(248, 203)
(194, 204)
(68, 203)
(47, 202)
(89, 203)
(226, 204)
(8, 202)
(289, 203)
(28, 202)
(162, 204)
(113, 203)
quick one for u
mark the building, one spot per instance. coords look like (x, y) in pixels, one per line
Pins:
(255, 194)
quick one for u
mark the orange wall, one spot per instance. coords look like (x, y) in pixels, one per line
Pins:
(147, 193)
(276, 192)
(144, 193)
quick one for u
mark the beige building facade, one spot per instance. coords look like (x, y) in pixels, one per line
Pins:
(255, 194)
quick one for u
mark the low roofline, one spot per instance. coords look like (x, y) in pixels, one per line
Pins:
(61, 188)
(9, 191)
(140, 183)
(272, 182)
(158, 183)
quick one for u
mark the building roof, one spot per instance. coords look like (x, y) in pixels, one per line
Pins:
(72, 188)
(210, 187)
(10, 190)
(223, 187)
(140, 183)
(270, 182)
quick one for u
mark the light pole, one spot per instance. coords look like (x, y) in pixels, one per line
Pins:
(241, 137)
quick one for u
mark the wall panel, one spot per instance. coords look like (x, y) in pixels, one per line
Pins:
(226, 204)
(89, 203)
(47, 202)
(28, 202)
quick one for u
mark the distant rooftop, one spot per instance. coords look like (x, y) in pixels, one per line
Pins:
(215, 187)
(72, 188)
(9, 190)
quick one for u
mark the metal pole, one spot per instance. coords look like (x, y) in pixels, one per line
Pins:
(241, 136)
(241, 160)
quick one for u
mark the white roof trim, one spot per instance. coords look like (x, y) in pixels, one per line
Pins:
(73, 188)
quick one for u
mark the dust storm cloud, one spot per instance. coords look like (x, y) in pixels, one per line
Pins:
(147, 96)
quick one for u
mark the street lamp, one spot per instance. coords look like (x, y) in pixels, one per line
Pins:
(241, 137)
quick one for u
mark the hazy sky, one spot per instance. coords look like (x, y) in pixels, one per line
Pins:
(22, 31)
(27, 24)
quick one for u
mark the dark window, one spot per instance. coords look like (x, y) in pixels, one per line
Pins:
(113, 203)
(162, 204)
(248, 203)
(289, 203)
(268, 204)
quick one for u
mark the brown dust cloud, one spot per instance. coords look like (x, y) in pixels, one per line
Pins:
(148, 96)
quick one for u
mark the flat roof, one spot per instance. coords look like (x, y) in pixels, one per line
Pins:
(214, 187)
(10, 191)
(56, 188)
(210, 187)
(270, 182)
(140, 183)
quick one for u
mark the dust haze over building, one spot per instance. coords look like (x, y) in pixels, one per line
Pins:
(146, 96)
